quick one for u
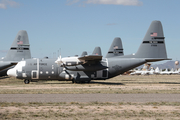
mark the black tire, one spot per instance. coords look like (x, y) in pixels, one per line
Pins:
(26, 81)
(73, 81)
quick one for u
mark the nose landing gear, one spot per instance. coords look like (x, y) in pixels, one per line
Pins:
(26, 81)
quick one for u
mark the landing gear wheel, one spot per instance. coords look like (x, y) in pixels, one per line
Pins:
(26, 81)
(73, 81)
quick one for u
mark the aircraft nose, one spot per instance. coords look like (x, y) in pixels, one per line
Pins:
(12, 72)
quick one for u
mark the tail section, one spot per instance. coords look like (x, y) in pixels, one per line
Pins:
(157, 70)
(84, 53)
(20, 49)
(153, 45)
(116, 48)
(97, 51)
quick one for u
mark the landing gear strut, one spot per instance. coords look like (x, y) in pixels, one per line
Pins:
(72, 81)
(26, 81)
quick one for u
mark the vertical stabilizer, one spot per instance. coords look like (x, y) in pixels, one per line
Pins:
(116, 48)
(97, 51)
(153, 44)
(84, 53)
(157, 70)
(20, 49)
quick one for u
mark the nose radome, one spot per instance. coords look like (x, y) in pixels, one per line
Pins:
(12, 72)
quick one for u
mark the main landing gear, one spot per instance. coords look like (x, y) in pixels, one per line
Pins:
(26, 81)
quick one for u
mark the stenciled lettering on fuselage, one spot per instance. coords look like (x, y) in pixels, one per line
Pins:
(117, 67)
(43, 64)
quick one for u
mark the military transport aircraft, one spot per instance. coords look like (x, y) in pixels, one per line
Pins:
(92, 67)
(19, 50)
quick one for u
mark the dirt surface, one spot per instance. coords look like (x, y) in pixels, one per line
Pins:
(25, 98)
(123, 97)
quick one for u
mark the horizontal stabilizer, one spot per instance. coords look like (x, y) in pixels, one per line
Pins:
(155, 59)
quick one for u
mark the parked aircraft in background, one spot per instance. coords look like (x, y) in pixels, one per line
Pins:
(95, 67)
(177, 71)
(166, 72)
(19, 50)
(148, 72)
(144, 71)
(136, 72)
(156, 72)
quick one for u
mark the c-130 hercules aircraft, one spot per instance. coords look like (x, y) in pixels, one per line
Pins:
(92, 67)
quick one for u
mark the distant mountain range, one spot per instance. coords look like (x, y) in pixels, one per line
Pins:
(168, 64)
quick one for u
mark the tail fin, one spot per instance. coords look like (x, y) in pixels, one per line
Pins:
(151, 69)
(97, 51)
(153, 45)
(116, 48)
(157, 69)
(84, 53)
(20, 48)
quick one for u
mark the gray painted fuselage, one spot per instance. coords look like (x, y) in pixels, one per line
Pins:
(47, 69)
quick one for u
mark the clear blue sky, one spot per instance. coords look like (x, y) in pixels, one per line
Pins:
(81, 25)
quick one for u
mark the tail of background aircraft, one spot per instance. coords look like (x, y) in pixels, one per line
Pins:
(84, 53)
(20, 49)
(116, 48)
(153, 45)
(97, 51)
(157, 70)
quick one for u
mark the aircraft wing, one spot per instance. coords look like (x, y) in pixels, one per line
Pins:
(90, 58)
(5, 65)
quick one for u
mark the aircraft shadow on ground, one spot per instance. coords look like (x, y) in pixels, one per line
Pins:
(106, 83)
(92, 82)
(45, 82)
(128, 80)
(169, 82)
(4, 77)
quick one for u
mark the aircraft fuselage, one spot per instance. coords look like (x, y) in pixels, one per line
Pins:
(47, 69)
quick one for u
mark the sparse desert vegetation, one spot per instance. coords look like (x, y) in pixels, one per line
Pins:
(93, 110)
(121, 84)
(90, 111)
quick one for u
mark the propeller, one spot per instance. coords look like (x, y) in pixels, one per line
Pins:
(59, 60)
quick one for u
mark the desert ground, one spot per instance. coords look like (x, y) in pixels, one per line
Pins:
(135, 87)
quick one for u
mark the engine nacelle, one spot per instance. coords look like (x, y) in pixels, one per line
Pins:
(69, 61)
(66, 76)
(94, 67)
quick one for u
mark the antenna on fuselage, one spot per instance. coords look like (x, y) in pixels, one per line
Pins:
(59, 59)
